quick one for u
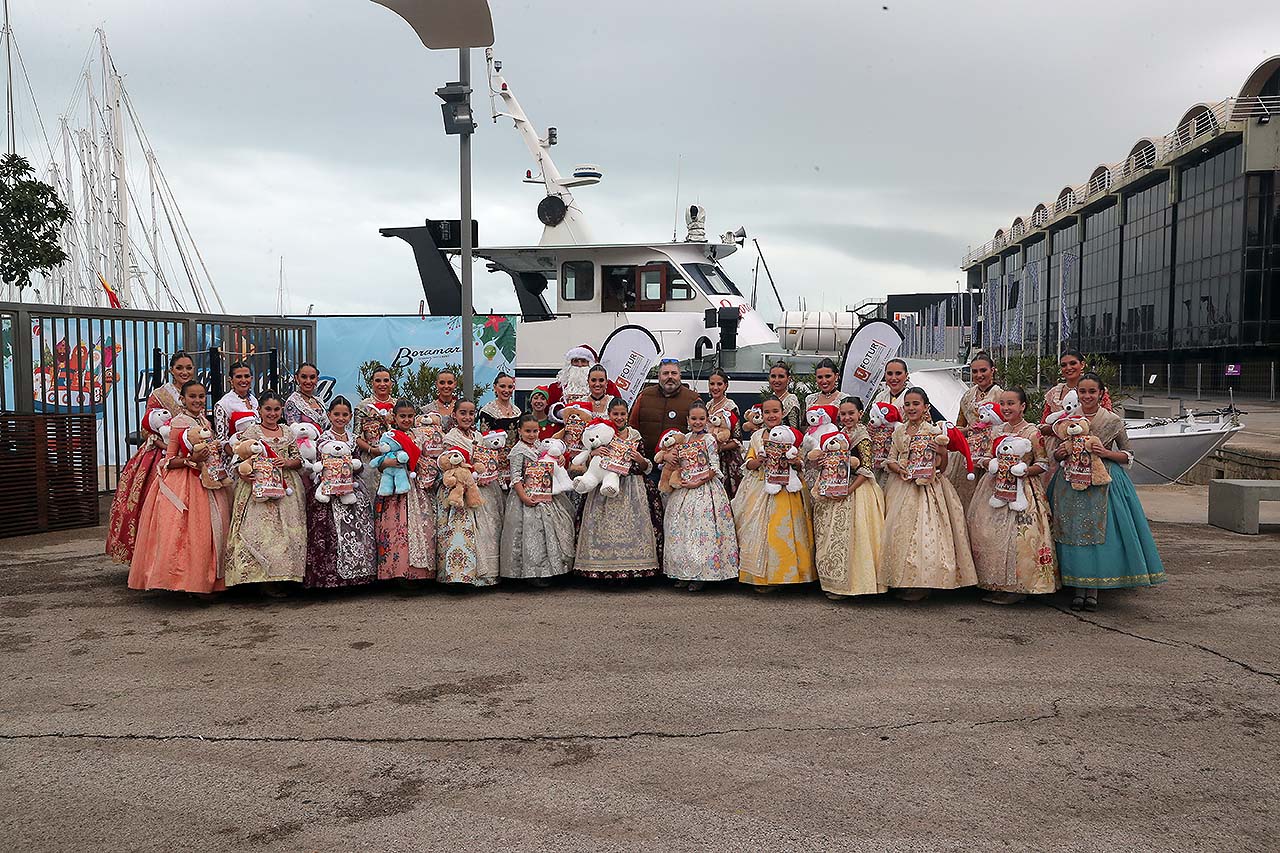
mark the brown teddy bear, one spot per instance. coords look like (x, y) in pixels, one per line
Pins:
(459, 479)
(666, 455)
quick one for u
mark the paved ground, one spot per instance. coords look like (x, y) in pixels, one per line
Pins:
(648, 718)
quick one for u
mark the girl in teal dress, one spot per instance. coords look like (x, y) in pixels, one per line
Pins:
(1101, 532)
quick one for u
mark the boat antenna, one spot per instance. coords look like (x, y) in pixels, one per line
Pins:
(760, 255)
(675, 219)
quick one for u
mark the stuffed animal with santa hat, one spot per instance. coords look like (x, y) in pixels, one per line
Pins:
(553, 450)
(598, 435)
(428, 433)
(721, 425)
(338, 466)
(950, 438)
(781, 448)
(490, 460)
(669, 446)
(1009, 469)
(882, 419)
(261, 467)
(156, 421)
(575, 419)
(753, 419)
(307, 437)
(213, 472)
(982, 433)
(822, 422)
(458, 478)
(835, 467)
(396, 445)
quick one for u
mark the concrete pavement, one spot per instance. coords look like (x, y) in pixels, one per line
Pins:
(647, 718)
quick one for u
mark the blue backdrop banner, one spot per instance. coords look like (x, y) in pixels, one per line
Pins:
(405, 344)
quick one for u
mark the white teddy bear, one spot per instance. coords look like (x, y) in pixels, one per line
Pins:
(335, 472)
(1009, 470)
(599, 434)
(790, 437)
(307, 436)
(1070, 408)
(553, 450)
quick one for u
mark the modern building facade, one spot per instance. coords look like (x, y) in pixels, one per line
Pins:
(1167, 256)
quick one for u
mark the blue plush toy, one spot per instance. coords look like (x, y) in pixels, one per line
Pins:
(396, 445)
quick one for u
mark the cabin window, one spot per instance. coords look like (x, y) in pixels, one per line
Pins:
(577, 281)
(678, 288)
(651, 285)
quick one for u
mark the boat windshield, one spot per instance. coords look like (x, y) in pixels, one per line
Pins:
(711, 279)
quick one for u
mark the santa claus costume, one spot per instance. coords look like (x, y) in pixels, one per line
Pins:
(571, 382)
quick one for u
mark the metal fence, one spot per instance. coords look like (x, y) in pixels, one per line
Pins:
(1202, 380)
(69, 360)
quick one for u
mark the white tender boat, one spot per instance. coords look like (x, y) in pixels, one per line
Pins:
(1165, 449)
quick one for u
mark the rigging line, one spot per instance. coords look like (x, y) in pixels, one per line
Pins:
(164, 182)
(74, 100)
(34, 103)
(195, 288)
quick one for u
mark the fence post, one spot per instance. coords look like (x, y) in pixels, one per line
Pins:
(215, 374)
(273, 368)
(23, 382)
(1199, 367)
(1168, 380)
(157, 368)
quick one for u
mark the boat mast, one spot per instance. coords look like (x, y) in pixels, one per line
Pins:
(561, 228)
(8, 78)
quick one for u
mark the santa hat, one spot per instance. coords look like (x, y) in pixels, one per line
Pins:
(995, 407)
(237, 418)
(796, 435)
(409, 446)
(835, 436)
(587, 414)
(146, 418)
(598, 420)
(581, 351)
(543, 390)
(494, 432)
(383, 405)
(957, 443)
(662, 438)
(995, 444)
(462, 451)
(831, 411)
(890, 412)
(733, 420)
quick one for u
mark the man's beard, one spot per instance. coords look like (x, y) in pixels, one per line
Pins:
(669, 386)
(573, 381)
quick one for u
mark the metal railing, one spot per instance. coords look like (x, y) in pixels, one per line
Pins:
(1201, 126)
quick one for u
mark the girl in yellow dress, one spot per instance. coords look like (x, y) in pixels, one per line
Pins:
(775, 535)
(926, 540)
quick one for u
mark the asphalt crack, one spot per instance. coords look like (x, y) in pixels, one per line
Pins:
(1185, 644)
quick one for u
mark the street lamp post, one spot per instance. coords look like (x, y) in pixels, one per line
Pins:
(442, 25)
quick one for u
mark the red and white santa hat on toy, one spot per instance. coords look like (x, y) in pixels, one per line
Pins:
(409, 446)
(890, 412)
(796, 435)
(830, 411)
(957, 443)
(462, 451)
(829, 443)
(494, 433)
(662, 439)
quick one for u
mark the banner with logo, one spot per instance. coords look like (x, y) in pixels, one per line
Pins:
(407, 345)
(870, 348)
(629, 353)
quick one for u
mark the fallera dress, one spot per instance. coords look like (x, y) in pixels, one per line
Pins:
(133, 486)
(340, 540)
(775, 535)
(926, 538)
(405, 526)
(616, 539)
(182, 530)
(701, 543)
(467, 538)
(1102, 535)
(849, 531)
(268, 539)
(537, 541)
(1013, 551)
(979, 439)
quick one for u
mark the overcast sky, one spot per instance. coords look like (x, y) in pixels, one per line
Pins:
(866, 147)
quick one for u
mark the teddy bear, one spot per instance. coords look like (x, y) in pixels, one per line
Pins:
(1081, 468)
(981, 432)
(459, 479)
(780, 449)
(338, 465)
(950, 438)
(721, 426)
(835, 467)
(669, 444)
(1009, 470)
(259, 465)
(397, 445)
(822, 422)
(1070, 409)
(156, 421)
(882, 417)
(598, 434)
(213, 473)
(490, 459)
(553, 450)
(306, 435)
(754, 418)
(429, 432)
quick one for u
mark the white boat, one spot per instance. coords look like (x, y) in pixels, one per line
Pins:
(1165, 449)
(678, 290)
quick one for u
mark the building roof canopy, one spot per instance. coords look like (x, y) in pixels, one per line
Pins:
(1265, 79)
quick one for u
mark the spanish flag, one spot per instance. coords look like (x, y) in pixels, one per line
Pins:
(111, 293)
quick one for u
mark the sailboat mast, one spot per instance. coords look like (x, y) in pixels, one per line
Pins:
(8, 79)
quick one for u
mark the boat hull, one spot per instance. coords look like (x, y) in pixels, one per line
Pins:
(1163, 454)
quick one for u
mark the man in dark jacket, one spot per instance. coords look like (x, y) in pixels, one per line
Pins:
(664, 406)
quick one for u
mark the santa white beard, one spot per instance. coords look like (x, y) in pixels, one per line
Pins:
(573, 381)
